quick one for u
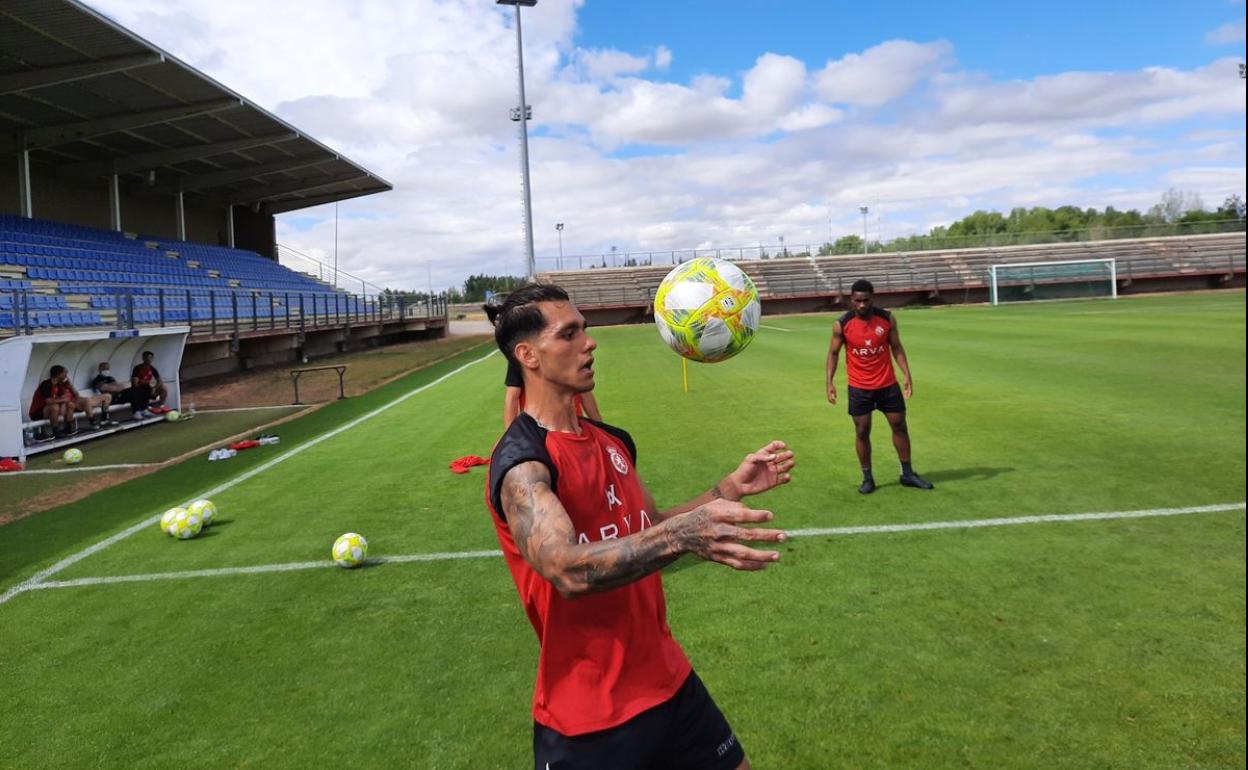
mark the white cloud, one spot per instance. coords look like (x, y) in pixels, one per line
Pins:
(419, 91)
(882, 73)
(1228, 34)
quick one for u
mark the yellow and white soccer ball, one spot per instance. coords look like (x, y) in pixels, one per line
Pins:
(166, 519)
(72, 456)
(173, 415)
(350, 550)
(185, 525)
(206, 510)
(707, 309)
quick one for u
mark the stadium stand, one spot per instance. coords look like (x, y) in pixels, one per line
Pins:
(951, 275)
(71, 276)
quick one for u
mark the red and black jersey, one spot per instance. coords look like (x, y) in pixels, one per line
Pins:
(869, 356)
(145, 373)
(608, 656)
(47, 391)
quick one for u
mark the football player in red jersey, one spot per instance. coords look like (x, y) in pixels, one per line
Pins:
(871, 338)
(584, 541)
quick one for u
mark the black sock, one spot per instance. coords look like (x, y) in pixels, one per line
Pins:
(866, 475)
(906, 470)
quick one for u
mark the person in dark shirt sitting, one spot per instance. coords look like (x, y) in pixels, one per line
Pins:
(105, 384)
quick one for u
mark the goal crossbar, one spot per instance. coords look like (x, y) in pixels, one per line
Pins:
(1110, 263)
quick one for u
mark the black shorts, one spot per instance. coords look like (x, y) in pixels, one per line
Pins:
(685, 731)
(887, 399)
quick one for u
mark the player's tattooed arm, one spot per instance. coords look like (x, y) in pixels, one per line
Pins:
(546, 539)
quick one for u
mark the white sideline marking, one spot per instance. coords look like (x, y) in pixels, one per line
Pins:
(774, 328)
(288, 567)
(427, 557)
(80, 470)
(34, 580)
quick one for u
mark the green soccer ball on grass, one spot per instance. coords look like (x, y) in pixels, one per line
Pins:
(186, 525)
(205, 509)
(166, 520)
(172, 416)
(350, 550)
(72, 456)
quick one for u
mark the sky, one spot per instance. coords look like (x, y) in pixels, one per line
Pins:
(661, 125)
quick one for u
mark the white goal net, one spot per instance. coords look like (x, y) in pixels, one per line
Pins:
(1074, 279)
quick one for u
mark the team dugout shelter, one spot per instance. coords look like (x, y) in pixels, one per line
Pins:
(121, 156)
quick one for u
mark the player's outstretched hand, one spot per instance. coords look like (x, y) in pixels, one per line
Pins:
(713, 532)
(760, 471)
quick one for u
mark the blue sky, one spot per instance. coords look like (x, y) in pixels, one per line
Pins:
(1001, 40)
(666, 125)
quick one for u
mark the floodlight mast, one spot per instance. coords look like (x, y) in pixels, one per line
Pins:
(522, 116)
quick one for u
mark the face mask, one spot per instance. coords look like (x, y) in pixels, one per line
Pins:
(104, 371)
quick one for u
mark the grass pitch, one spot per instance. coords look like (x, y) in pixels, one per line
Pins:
(1102, 643)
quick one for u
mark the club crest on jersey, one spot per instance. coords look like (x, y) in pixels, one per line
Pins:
(618, 460)
(879, 330)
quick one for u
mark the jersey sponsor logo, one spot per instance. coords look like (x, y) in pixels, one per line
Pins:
(626, 526)
(864, 352)
(618, 460)
(612, 498)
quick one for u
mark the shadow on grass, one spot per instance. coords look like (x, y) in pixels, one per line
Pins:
(964, 474)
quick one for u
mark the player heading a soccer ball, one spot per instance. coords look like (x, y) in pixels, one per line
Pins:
(585, 540)
(871, 336)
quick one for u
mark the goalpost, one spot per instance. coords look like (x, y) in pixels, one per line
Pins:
(1029, 281)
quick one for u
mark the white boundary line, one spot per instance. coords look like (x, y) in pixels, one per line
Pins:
(774, 328)
(83, 469)
(73, 559)
(830, 531)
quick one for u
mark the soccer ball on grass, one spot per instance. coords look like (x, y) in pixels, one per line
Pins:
(72, 456)
(350, 550)
(707, 309)
(206, 510)
(185, 525)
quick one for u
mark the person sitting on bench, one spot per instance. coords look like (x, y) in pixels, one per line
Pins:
(145, 375)
(104, 383)
(55, 400)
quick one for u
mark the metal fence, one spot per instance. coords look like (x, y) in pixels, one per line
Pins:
(212, 311)
(615, 258)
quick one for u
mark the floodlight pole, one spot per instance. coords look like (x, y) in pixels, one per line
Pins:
(559, 229)
(523, 118)
(864, 211)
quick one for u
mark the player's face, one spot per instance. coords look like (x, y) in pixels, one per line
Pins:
(565, 349)
(861, 302)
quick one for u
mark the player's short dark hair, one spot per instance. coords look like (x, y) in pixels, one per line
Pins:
(519, 317)
(56, 370)
(862, 284)
(147, 353)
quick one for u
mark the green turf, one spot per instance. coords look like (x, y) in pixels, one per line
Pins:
(151, 444)
(1103, 644)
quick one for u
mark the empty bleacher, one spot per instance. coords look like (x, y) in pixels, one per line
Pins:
(57, 276)
(1215, 256)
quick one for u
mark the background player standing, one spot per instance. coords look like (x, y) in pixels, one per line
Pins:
(873, 340)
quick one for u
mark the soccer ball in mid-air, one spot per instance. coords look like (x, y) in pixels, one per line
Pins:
(205, 509)
(707, 309)
(185, 525)
(166, 519)
(72, 456)
(350, 550)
